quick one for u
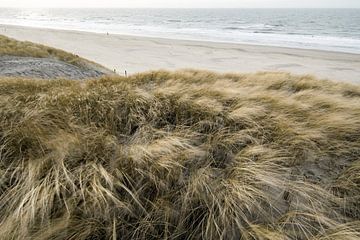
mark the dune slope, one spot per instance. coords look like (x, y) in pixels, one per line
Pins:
(180, 155)
(27, 59)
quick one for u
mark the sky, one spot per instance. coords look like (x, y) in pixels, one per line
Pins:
(183, 3)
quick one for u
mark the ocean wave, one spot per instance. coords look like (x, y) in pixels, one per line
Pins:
(266, 31)
(290, 30)
(233, 28)
(174, 20)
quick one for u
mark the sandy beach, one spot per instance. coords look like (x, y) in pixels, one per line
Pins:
(137, 54)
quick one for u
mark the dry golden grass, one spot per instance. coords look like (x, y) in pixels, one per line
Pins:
(182, 155)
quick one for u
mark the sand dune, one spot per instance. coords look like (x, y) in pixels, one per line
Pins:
(174, 155)
(136, 54)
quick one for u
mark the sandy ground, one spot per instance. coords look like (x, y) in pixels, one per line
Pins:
(136, 54)
(46, 68)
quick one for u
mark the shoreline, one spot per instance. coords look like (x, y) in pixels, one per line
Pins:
(174, 39)
(138, 54)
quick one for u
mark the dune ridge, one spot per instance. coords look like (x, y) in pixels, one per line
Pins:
(180, 155)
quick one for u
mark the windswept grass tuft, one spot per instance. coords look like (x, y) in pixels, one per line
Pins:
(180, 155)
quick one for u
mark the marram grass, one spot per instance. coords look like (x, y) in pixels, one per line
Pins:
(180, 155)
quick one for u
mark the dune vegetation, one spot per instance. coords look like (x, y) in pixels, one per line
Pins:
(12, 47)
(180, 155)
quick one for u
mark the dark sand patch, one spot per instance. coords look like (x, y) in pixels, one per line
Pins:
(46, 68)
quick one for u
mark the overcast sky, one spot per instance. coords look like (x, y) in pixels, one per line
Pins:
(183, 3)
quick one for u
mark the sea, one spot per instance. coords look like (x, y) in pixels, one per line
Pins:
(323, 29)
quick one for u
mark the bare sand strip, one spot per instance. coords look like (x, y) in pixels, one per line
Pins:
(137, 54)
